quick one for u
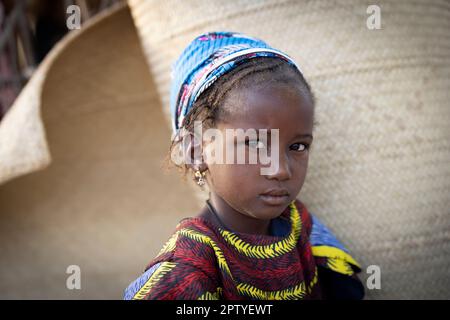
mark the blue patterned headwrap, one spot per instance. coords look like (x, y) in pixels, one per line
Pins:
(204, 60)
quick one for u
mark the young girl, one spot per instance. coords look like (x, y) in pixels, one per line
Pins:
(253, 239)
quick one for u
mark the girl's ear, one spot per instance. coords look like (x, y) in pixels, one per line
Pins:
(193, 153)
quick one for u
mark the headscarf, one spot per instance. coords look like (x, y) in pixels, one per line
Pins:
(204, 60)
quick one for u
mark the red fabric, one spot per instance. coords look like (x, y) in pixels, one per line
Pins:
(198, 271)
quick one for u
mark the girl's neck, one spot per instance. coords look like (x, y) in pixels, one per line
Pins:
(233, 220)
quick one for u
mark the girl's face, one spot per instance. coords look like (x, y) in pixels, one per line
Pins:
(240, 187)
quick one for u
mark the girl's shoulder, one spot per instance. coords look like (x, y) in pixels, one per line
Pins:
(323, 241)
(190, 243)
(188, 254)
(338, 268)
(173, 279)
(325, 244)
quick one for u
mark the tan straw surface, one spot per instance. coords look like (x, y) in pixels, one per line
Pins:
(379, 172)
(102, 203)
(91, 120)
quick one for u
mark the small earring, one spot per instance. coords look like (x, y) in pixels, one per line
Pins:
(200, 177)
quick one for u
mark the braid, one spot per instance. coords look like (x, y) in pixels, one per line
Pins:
(208, 108)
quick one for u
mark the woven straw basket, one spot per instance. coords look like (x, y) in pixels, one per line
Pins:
(95, 120)
(91, 120)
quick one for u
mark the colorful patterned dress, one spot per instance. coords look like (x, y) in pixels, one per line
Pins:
(301, 259)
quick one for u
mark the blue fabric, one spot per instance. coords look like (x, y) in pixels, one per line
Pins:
(322, 236)
(204, 60)
(134, 287)
(279, 227)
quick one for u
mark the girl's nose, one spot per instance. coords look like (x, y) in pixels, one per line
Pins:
(284, 170)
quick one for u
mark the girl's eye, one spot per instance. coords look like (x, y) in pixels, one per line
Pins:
(300, 147)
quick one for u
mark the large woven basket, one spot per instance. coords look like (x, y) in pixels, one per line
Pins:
(91, 121)
(94, 119)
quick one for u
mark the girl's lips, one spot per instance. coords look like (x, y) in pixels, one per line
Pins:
(274, 200)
